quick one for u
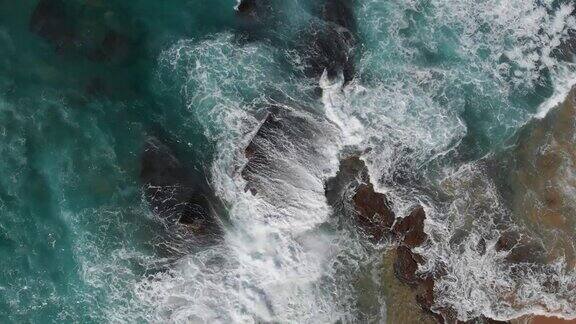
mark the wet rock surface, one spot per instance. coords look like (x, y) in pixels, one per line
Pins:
(173, 192)
(520, 248)
(540, 181)
(371, 210)
(406, 266)
(351, 173)
(374, 213)
(410, 229)
(330, 43)
(282, 133)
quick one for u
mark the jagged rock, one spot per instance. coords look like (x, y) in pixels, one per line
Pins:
(351, 173)
(330, 43)
(172, 192)
(373, 211)
(406, 265)
(520, 248)
(410, 229)
(281, 134)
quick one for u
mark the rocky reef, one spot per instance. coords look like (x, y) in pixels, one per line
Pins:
(176, 195)
(536, 175)
(88, 30)
(542, 180)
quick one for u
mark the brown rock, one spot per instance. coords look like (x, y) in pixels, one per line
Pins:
(531, 319)
(406, 265)
(371, 209)
(410, 229)
(520, 248)
(374, 213)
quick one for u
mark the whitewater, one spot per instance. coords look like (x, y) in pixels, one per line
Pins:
(440, 93)
(284, 257)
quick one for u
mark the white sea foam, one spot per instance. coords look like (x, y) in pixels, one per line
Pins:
(277, 263)
(500, 49)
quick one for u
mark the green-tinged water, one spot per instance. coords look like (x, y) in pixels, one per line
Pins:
(78, 242)
(74, 232)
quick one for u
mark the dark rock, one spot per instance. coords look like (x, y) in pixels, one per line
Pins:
(281, 130)
(351, 173)
(507, 241)
(341, 13)
(567, 48)
(80, 31)
(172, 191)
(254, 14)
(520, 248)
(406, 265)
(115, 47)
(247, 6)
(410, 229)
(487, 320)
(51, 22)
(330, 43)
(329, 48)
(373, 211)
(425, 296)
(481, 246)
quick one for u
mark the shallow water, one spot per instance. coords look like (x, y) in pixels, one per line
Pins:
(440, 88)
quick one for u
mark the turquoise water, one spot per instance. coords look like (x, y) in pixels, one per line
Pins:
(448, 80)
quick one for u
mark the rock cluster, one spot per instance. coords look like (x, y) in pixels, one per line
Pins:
(373, 214)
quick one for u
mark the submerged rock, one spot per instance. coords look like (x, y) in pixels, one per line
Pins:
(51, 22)
(115, 47)
(341, 13)
(566, 51)
(83, 30)
(248, 7)
(541, 178)
(173, 192)
(520, 248)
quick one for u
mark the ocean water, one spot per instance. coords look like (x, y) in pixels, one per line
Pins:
(440, 88)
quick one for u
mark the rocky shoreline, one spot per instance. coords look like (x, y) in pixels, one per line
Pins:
(374, 216)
